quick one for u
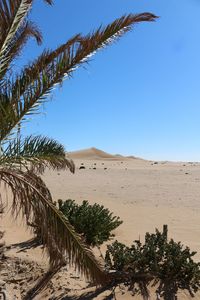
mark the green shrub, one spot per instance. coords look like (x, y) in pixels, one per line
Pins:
(158, 261)
(93, 221)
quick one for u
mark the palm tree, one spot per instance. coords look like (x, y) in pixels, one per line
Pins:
(23, 160)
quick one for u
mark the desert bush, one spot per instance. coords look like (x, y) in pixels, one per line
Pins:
(82, 167)
(94, 222)
(167, 264)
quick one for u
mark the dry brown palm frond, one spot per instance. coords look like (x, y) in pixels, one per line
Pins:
(32, 87)
(12, 14)
(27, 30)
(46, 58)
(32, 198)
(85, 45)
(13, 32)
(49, 1)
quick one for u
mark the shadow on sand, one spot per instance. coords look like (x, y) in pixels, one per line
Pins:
(29, 244)
(88, 295)
(41, 284)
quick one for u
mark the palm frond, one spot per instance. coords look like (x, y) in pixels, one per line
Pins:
(14, 29)
(27, 30)
(12, 14)
(46, 58)
(50, 2)
(36, 154)
(32, 87)
(32, 198)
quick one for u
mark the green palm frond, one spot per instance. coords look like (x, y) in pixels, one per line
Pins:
(32, 198)
(36, 153)
(32, 87)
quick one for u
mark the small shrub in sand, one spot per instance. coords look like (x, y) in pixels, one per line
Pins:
(94, 222)
(168, 265)
(82, 168)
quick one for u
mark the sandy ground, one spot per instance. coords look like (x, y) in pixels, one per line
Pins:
(145, 194)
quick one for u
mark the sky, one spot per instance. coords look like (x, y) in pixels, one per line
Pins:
(139, 96)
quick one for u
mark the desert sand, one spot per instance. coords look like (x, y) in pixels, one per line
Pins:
(144, 194)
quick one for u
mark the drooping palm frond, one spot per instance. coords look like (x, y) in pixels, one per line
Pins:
(36, 81)
(32, 198)
(27, 30)
(14, 31)
(36, 154)
(12, 14)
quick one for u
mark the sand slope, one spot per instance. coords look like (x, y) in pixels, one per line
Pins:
(144, 194)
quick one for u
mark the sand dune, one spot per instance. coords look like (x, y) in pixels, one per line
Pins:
(96, 154)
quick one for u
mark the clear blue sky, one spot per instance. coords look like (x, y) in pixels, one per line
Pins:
(140, 96)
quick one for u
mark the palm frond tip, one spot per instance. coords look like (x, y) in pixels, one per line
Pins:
(32, 198)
